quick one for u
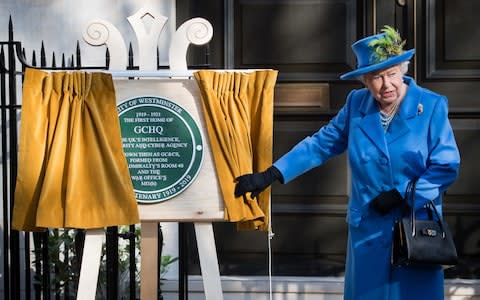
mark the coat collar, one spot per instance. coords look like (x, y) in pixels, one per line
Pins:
(370, 122)
(410, 104)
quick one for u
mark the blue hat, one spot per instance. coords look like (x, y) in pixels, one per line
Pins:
(367, 58)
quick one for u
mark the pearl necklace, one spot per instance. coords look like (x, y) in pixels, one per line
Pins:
(386, 118)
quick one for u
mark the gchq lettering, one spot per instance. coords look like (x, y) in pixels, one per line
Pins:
(148, 129)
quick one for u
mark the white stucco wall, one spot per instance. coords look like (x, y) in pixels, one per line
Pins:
(59, 24)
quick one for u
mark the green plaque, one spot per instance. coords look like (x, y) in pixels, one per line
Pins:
(163, 147)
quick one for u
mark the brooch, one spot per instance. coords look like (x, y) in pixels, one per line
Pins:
(419, 109)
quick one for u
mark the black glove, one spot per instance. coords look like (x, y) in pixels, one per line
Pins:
(257, 182)
(386, 201)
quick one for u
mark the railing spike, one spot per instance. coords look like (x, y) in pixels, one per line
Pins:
(34, 59)
(79, 60)
(43, 58)
(107, 59)
(130, 56)
(54, 64)
(10, 29)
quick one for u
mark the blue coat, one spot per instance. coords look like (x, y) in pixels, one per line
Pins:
(419, 143)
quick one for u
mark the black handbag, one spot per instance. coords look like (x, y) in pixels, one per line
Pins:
(422, 242)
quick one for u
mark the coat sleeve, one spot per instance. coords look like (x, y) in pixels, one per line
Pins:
(314, 150)
(443, 160)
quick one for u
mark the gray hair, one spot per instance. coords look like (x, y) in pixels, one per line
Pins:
(403, 68)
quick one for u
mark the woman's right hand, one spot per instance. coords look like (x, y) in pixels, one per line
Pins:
(256, 182)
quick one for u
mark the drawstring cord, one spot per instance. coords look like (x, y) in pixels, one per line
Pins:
(270, 237)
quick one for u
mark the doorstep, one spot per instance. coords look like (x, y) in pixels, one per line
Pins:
(293, 287)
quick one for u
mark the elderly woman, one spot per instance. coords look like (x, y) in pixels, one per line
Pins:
(394, 131)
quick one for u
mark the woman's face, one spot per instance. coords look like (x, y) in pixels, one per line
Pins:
(386, 85)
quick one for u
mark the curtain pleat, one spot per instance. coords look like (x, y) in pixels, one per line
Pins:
(238, 110)
(72, 171)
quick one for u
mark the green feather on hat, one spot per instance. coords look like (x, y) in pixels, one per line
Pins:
(389, 45)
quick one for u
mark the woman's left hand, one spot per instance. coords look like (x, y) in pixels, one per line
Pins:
(386, 201)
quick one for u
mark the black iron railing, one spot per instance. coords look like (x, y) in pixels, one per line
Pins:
(24, 278)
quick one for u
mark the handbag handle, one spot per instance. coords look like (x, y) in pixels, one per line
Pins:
(440, 222)
(410, 195)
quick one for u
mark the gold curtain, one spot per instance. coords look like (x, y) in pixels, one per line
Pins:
(238, 109)
(72, 171)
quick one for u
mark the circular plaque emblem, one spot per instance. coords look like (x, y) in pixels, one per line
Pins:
(163, 147)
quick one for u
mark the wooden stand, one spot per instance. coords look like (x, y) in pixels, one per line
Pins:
(92, 253)
(206, 251)
(149, 261)
(201, 203)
